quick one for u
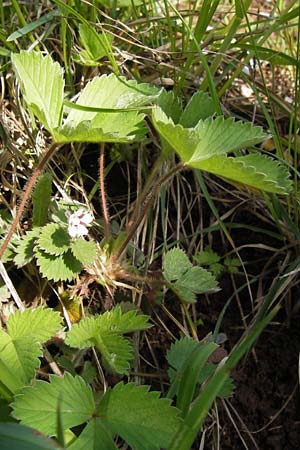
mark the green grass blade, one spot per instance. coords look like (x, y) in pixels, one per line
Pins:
(203, 403)
(33, 25)
(108, 49)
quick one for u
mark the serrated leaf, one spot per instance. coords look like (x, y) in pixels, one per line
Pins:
(140, 417)
(185, 294)
(170, 104)
(84, 251)
(104, 333)
(208, 138)
(115, 322)
(41, 199)
(25, 250)
(198, 280)
(176, 263)
(62, 267)
(200, 107)
(258, 171)
(207, 257)
(20, 356)
(72, 393)
(42, 85)
(112, 93)
(117, 351)
(14, 436)
(178, 353)
(54, 239)
(40, 324)
(95, 436)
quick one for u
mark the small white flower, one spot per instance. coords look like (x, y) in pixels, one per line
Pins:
(79, 222)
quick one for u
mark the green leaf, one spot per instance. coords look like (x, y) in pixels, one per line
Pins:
(117, 351)
(62, 267)
(178, 353)
(42, 85)
(198, 280)
(41, 199)
(185, 294)
(95, 49)
(37, 405)
(25, 249)
(95, 436)
(176, 263)
(200, 107)
(140, 417)
(40, 323)
(112, 93)
(115, 322)
(170, 104)
(33, 25)
(258, 171)
(104, 333)
(54, 239)
(14, 436)
(208, 138)
(20, 356)
(84, 251)
(207, 257)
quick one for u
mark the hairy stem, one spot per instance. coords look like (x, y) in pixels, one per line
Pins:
(145, 207)
(102, 193)
(26, 195)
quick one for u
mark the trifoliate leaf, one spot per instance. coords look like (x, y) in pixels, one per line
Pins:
(84, 251)
(208, 138)
(37, 406)
(104, 332)
(258, 171)
(25, 250)
(95, 436)
(40, 324)
(42, 85)
(54, 239)
(62, 267)
(176, 263)
(140, 417)
(41, 199)
(198, 280)
(20, 356)
(200, 107)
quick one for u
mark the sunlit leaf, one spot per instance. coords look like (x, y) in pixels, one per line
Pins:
(42, 84)
(36, 406)
(140, 417)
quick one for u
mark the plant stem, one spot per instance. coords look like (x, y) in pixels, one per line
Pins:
(145, 207)
(39, 169)
(145, 190)
(102, 193)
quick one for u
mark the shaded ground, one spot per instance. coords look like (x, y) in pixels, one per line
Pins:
(267, 394)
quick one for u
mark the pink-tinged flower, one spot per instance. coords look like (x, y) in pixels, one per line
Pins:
(79, 222)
